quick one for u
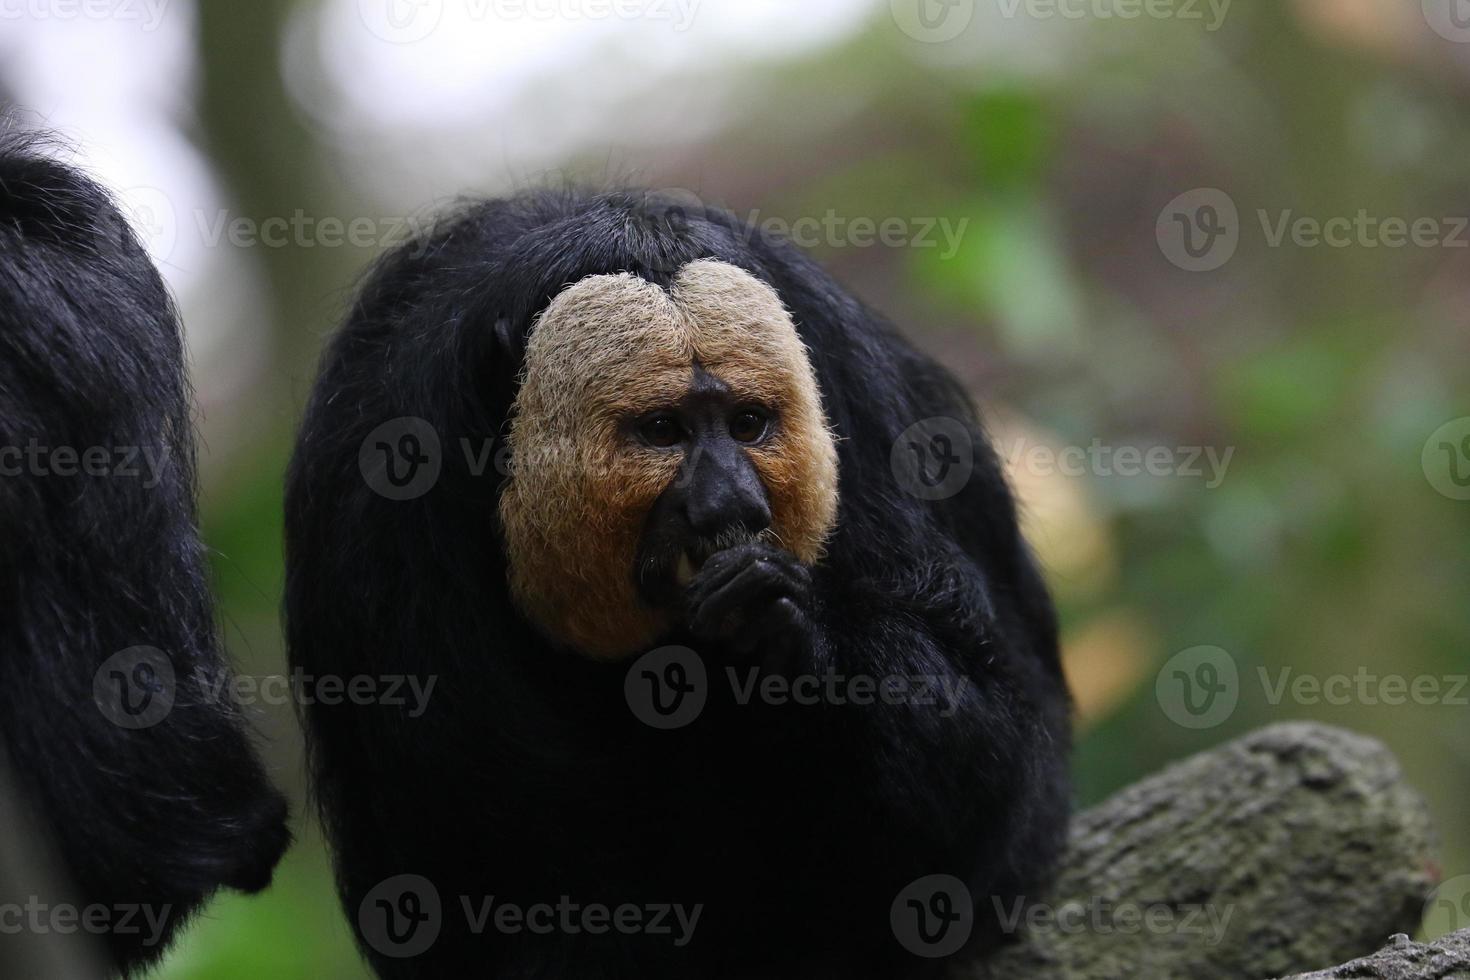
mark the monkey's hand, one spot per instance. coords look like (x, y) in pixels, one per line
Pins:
(753, 598)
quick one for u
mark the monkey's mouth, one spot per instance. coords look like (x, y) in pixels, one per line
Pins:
(692, 559)
(663, 575)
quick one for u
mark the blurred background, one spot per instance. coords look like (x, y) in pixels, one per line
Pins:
(1204, 263)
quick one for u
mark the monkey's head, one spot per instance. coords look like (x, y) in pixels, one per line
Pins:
(653, 427)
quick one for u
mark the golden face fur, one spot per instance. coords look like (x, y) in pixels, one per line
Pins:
(613, 348)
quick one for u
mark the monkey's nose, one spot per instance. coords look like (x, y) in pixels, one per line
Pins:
(718, 505)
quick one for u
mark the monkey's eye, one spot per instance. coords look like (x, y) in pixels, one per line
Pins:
(662, 431)
(748, 425)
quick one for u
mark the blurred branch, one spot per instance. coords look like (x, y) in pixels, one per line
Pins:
(270, 161)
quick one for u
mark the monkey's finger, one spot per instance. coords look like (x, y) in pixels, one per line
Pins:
(721, 612)
(723, 566)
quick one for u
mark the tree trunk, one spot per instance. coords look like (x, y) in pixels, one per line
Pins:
(1447, 958)
(1293, 848)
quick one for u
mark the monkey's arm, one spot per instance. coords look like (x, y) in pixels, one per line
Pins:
(969, 757)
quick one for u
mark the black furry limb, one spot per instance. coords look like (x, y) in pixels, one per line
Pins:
(144, 787)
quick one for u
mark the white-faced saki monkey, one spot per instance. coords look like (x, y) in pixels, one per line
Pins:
(741, 661)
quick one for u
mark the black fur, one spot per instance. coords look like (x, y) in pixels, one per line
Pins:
(95, 563)
(528, 777)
